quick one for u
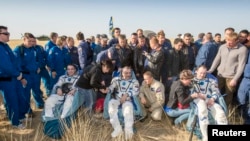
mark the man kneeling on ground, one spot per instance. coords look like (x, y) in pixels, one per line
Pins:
(152, 95)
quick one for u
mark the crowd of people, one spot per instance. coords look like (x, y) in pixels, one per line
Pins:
(165, 77)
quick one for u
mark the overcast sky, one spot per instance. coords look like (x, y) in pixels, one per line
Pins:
(92, 16)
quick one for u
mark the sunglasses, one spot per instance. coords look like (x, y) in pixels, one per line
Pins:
(5, 33)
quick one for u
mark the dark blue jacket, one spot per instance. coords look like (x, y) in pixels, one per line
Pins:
(198, 44)
(113, 42)
(206, 54)
(49, 45)
(103, 55)
(74, 57)
(247, 67)
(8, 63)
(85, 54)
(98, 49)
(58, 59)
(27, 59)
(41, 56)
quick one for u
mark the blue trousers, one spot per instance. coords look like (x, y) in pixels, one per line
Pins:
(89, 97)
(12, 98)
(179, 114)
(33, 83)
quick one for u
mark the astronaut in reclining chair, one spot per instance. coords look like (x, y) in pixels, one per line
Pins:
(209, 107)
(122, 94)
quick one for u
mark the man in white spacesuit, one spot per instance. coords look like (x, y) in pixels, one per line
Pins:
(54, 99)
(123, 88)
(208, 92)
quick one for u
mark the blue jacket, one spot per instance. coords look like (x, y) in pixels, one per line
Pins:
(48, 46)
(113, 42)
(74, 57)
(98, 49)
(85, 54)
(27, 59)
(58, 59)
(206, 54)
(41, 56)
(247, 67)
(198, 44)
(8, 63)
(103, 55)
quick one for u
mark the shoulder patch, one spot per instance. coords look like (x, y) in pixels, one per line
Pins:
(158, 90)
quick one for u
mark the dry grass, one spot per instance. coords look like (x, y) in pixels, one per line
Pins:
(85, 128)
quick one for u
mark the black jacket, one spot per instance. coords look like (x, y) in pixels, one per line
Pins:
(178, 94)
(91, 78)
(176, 62)
(155, 62)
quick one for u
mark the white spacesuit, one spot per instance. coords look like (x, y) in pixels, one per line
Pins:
(55, 99)
(208, 88)
(122, 89)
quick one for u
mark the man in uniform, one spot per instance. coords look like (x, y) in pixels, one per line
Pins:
(152, 95)
(10, 78)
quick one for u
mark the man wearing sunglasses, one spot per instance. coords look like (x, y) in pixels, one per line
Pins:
(10, 77)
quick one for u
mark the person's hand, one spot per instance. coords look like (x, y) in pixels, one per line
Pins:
(150, 109)
(38, 70)
(53, 74)
(123, 98)
(143, 100)
(209, 71)
(72, 92)
(119, 69)
(232, 83)
(194, 95)
(210, 102)
(104, 90)
(170, 78)
(145, 53)
(24, 82)
(202, 96)
(103, 83)
(47, 68)
(20, 76)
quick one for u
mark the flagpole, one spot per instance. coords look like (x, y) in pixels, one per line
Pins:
(111, 26)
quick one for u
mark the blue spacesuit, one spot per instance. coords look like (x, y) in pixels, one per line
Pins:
(29, 63)
(8, 84)
(58, 59)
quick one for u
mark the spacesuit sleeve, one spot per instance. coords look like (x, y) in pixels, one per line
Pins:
(135, 89)
(112, 85)
(215, 90)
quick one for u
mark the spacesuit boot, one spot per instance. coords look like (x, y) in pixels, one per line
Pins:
(117, 130)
